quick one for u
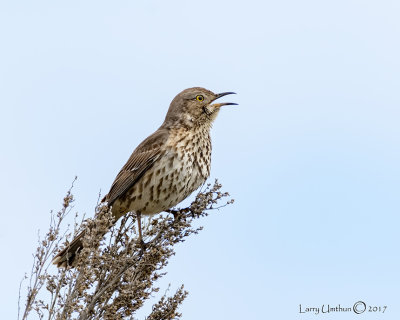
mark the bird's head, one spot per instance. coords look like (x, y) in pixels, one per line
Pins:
(194, 107)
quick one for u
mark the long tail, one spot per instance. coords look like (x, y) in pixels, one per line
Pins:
(67, 256)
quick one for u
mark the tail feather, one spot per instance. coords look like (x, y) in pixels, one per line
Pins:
(67, 256)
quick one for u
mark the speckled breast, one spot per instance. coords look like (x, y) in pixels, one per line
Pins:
(182, 168)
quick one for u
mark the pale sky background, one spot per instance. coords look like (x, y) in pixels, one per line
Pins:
(311, 154)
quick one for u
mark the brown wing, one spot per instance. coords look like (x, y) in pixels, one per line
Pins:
(141, 160)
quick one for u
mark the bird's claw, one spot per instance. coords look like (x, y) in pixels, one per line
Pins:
(142, 244)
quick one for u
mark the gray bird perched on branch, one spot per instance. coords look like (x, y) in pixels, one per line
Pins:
(166, 167)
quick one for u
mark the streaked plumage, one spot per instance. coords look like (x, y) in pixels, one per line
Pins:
(167, 166)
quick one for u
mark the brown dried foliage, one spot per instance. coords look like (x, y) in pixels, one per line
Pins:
(113, 275)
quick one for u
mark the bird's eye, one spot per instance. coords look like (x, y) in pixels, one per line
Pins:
(199, 98)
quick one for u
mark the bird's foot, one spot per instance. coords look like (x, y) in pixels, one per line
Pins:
(175, 213)
(142, 244)
(178, 214)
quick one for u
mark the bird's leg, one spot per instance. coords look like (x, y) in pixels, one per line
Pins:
(139, 221)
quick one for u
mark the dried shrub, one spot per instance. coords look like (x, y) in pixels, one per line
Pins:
(114, 274)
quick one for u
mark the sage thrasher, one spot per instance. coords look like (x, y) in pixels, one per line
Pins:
(167, 166)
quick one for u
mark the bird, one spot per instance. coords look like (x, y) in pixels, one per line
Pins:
(166, 167)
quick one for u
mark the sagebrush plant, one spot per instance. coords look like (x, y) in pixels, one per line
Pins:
(114, 274)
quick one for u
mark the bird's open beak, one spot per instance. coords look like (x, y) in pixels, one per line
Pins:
(219, 95)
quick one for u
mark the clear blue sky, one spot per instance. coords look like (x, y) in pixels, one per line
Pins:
(311, 154)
